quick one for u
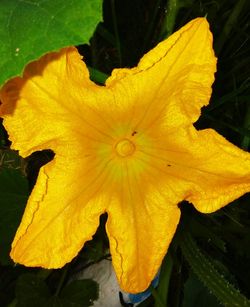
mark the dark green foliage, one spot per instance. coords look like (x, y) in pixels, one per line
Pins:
(31, 288)
(80, 293)
(14, 194)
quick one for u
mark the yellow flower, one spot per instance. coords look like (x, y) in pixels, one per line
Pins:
(128, 148)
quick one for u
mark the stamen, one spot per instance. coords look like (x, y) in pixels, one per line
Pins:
(125, 148)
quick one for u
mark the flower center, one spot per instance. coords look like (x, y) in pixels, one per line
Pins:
(125, 148)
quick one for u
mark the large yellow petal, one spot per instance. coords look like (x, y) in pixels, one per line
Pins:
(172, 81)
(211, 170)
(142, 219)
(53, 95)
(63, 210)
(54, 107)
(223, 172)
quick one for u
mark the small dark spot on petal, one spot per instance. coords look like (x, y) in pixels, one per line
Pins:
(134, 133)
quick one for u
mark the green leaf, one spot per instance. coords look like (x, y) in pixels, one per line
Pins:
(80, 293)
(30, 290)
(28, 29)
(216, 283)
(195, 294)
(14, 193)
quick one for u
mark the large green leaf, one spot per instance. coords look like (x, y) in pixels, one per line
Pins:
(28, 29)
(13, 197)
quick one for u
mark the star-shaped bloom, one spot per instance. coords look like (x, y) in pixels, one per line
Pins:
(128, 148)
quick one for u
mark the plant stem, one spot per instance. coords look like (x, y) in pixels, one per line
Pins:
(173, 7)
(97, 76)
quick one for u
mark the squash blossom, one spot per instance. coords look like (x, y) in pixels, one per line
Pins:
(128, 148)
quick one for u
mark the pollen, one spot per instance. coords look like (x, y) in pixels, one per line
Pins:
(125, 148)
